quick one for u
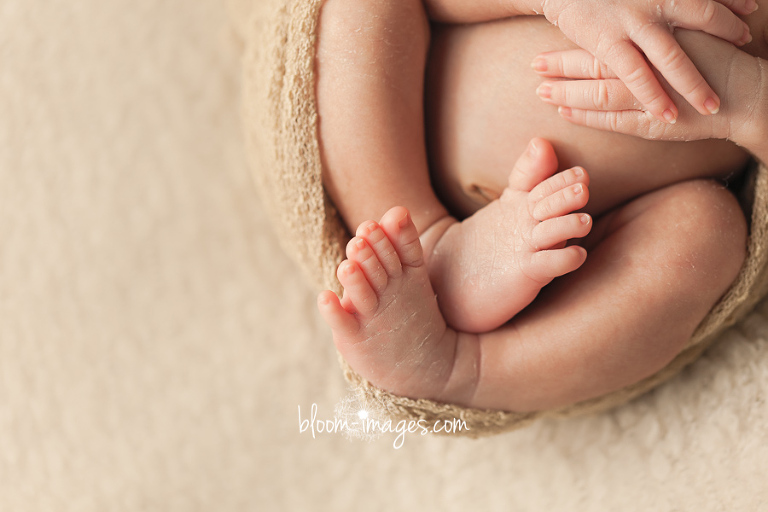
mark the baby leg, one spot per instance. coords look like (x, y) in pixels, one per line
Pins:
(370, 63)
(371, 59)
(656, 268)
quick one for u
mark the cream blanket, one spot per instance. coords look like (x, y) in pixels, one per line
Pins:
(281, 131)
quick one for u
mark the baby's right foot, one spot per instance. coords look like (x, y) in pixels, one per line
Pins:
(487, 268)
(387, 324)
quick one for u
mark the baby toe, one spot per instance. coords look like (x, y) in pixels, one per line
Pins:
(357, 289)
(359, 251)
(535, 165)
(558, 182)
(338, 319)
(382, 248)
(561, 202)
(555, 231)
(547, 265)
(401, 231)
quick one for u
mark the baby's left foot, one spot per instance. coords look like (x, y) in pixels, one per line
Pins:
(387, 325)
(489, 267)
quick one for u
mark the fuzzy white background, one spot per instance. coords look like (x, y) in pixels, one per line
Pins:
(155, 344)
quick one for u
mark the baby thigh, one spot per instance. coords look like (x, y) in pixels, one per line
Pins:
(655, 269)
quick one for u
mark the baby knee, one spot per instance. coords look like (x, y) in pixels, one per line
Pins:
(712, 225)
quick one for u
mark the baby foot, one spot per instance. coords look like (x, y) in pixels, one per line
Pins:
(487, 268)
(387, 324)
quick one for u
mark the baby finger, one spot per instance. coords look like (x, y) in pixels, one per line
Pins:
(571, 64)
(589, 94)
(711, 17)
(740, 6)
(632, 68)
(630, 122)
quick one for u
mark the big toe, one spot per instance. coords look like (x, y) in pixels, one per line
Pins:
(401, 231)
(538, 163)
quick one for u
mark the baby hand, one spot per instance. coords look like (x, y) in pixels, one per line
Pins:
(592, 95)
(618, 33)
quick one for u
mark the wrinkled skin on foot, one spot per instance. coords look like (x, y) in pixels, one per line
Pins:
(487, 268)
(387, 324)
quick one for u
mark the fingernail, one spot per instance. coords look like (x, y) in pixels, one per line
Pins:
(578, 171)
(564, 111)
(578, 189)
(532, 148)
(584, 218)
(751, 6)
(712, 106)
(404, 221)
(747, 37)
(544, 91)
(360, 243)
(539, 64)
(669, 116)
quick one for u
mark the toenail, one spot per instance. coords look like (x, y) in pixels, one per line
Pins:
(370, 227)
(584, 218)
(578, 171)
(360, 243)
(578, 189)
(404, 221)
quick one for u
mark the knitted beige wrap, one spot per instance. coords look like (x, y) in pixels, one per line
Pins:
(280, 119)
